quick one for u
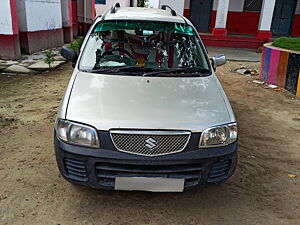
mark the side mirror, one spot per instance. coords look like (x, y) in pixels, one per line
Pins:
(69, 54)
(218, 61)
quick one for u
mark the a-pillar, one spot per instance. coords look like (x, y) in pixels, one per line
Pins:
(221, 18)
(265, 22)
(67, 20)
(40, 25)
(9, 34)
(86, 14)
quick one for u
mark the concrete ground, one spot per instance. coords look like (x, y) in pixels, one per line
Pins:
(235, 54)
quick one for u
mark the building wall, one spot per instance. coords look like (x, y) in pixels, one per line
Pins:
(66, 13)
(236, 18)
(21, 10)
(234, 5)
(296, 23)
(238, 22)
(100, 8)
(39, 15)
(67, 20)
(241, 22)
(235, 14)
(6, 26)
(85, 11)
(297, 12)
(187, 4)
(74, 18)
(40, 24)
(177, 5)
(186, 11)
(134, 3)
(153, 3)
(9, 34)
(86, 14)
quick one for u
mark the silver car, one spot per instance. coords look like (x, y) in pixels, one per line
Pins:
(144, 109)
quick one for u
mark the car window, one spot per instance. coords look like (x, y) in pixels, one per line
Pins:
(146, 45)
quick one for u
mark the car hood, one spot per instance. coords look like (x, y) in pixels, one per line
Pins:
(135, 102)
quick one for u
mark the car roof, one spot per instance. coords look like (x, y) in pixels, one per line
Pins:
(142, 14)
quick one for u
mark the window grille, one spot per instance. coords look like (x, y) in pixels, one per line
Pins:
(252, 5)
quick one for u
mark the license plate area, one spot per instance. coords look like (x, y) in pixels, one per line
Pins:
(152, 184)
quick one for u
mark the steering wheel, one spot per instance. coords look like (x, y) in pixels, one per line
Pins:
(110, 52)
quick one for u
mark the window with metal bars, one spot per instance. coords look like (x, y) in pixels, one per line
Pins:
(252, 5)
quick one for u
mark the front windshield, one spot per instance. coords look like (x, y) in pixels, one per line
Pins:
(145, 46)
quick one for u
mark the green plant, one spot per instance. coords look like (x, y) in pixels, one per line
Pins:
(288, 43)
(49, 57)
(141, 3)
(76, 45)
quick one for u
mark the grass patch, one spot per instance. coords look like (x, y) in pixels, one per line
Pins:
(287, 43)
(76, 45)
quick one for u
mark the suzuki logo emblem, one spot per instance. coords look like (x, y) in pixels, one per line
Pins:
(150, 143)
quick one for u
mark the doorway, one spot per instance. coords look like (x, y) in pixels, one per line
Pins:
(283, 17)
(200, 14)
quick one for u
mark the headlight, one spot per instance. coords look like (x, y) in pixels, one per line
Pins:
(218, 136)
(77, 134)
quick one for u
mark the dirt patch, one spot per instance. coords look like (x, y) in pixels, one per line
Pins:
(6, 121)
(260, 192)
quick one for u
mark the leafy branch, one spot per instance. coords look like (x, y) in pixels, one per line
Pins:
(49, 58)
(141, 3)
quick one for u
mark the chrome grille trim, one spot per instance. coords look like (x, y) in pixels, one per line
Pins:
(136, 137)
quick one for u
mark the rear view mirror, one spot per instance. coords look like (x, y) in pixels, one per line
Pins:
(218, 61)
(69, 54)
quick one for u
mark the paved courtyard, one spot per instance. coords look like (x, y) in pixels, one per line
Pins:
(236, 54)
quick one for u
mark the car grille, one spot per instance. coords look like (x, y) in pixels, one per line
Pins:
(76, 169)
(107, 172)
(219, 171)
(150, 143)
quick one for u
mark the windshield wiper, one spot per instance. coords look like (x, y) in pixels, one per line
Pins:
(180, 70)
(120, 69)
(113, 69)
(123, 68)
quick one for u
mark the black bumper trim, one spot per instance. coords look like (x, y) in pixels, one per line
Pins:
(99, 167)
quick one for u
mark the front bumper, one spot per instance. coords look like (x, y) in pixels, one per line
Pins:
(98, 168)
